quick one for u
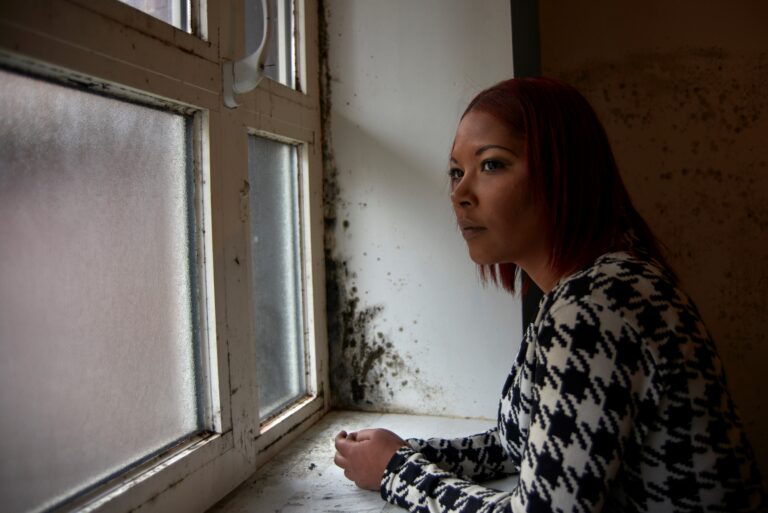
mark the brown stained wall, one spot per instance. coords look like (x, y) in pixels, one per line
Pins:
(682, 88)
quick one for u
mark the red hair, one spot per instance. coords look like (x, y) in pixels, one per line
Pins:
(573, 174)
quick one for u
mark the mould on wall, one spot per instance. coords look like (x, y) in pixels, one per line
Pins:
(686, 130)
(698, 85)
(363, 362)
(365, 370)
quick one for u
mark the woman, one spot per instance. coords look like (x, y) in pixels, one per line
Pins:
(617, 399)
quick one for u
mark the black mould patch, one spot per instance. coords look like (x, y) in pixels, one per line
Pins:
(364, 367)
(362, 363)
(331, 191)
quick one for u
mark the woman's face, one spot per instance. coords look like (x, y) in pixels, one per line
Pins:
(491, 194)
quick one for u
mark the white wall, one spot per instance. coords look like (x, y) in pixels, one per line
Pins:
(410, 306)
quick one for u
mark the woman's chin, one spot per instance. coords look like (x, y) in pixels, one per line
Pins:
(481, 259)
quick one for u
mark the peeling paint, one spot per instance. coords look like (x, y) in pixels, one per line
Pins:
(244, 198)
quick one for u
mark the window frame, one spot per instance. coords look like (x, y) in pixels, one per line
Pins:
(133, 53)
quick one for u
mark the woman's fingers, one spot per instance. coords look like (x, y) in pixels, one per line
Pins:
(344, 441)
(363, 455)
(341, 461)
(341, 442)
(344, 436)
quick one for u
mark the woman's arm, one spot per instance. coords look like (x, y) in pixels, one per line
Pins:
(364, 455)
(479, 457)
(414, 483)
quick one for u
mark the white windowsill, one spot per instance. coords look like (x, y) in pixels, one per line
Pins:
(303, 478)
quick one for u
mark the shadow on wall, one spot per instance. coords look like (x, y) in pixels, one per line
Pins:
(688, 129)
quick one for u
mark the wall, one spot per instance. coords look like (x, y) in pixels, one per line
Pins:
(681, 89)
(410, 328)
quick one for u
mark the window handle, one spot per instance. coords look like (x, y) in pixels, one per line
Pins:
(244, 75)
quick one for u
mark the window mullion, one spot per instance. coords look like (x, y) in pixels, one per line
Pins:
(230, 189)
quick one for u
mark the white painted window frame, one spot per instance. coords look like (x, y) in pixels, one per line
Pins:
(120, 48)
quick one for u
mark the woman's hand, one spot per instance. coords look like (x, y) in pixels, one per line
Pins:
(364, 455)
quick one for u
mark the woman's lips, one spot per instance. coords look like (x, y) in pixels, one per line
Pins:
(470, 232)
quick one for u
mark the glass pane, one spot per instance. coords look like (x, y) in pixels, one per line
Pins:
(280, 62)
(173, 12)
(276, 261)
(97, 330)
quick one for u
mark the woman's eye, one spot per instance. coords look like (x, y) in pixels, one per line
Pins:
(455, 174)
(492, 165)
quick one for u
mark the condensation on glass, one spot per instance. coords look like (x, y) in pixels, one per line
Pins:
(98, 330)
(173, 12)
(273, 175)
(280, 64)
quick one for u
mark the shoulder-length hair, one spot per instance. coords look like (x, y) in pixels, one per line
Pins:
(573, 175)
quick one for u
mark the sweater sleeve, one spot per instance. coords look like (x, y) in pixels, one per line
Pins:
(479, 457)
(412, 482)
(588, 377)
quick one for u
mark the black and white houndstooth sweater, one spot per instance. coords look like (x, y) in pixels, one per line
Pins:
(616, 402)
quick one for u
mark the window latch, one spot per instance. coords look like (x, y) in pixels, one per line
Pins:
(244, 75)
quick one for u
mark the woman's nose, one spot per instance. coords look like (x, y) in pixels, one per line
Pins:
(463, 194)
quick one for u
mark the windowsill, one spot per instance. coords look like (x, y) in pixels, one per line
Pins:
(303, 478)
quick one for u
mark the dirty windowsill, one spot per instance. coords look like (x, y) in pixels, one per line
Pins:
(303, 478)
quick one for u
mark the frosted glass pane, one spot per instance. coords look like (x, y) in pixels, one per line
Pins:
(279, 64)
(97, 338)
(276, 262)
(173, 12)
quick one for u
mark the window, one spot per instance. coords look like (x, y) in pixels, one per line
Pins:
(173, 12)
(161, 330)
(98, 287)
(276, 260)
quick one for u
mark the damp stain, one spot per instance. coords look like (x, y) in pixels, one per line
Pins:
(695, 85)
(366, 371)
